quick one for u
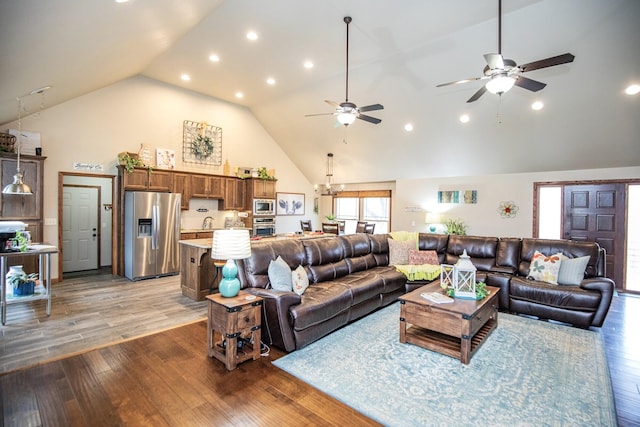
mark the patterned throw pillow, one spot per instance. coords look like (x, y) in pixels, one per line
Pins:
(399, 251)
(572, 270)
(300, 280)
(280, 275)
(417, 257)
(545, 268)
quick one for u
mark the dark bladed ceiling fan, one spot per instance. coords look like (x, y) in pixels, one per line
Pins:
(346, 111)
(504, 73)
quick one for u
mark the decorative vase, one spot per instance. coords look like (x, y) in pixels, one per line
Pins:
(229, 284)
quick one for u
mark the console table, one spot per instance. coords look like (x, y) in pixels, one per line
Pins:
(43, 255)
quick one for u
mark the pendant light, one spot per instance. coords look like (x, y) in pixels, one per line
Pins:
(18, 186)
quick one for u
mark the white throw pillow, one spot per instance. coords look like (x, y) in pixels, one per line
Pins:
(280, 275)
(300, 280)
(572, 270)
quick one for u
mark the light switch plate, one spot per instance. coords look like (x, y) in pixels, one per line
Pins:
(50, 221)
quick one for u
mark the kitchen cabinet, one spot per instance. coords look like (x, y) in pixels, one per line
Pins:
(207, 186)
(27, 208)
(262, 188)
(143, 179)
(182, 185)
(234, 194)
(198, 273)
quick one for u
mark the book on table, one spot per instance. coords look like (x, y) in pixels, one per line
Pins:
(436, 297)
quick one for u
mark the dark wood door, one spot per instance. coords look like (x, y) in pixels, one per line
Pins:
(596, 213)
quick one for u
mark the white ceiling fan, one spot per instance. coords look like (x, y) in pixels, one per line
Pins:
(347, 112)
(504, 73)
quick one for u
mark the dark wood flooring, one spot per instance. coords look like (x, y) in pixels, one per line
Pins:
(166, 379)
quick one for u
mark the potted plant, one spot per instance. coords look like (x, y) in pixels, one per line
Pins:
(331, 217)
(21, 283)
(455, 226)
(130, 161)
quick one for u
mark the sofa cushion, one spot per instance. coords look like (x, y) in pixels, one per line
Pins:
(280, 275)
(325, 258)
(572, 270)
(399, 251)
(355, 244)
(300, 280)
(566, 297)
(255, 268)
(320, 302)
(364, 285)
(545, 268)
(481, 250)
(380, 248)
(417, 257)
(434, 242)
(569, 248)
(361, 263)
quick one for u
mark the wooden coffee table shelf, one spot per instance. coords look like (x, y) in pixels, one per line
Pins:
(455, 329)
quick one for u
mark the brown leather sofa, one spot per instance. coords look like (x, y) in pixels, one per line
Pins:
(350, 277)
(504, 263)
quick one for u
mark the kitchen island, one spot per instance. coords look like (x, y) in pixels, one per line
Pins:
(200, 275)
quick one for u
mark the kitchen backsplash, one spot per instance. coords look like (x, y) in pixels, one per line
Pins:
(193, 219)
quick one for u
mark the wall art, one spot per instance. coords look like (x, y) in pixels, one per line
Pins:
(458, 196)
(507, 209)
(290, 203)
(202, 143)
(165, 159)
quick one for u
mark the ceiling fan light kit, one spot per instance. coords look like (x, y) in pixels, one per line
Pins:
(347, 112)
(500, 84)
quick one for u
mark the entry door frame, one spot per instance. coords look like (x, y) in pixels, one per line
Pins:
(111, 211)
(623, 233)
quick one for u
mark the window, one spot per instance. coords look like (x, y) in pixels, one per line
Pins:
(370, 206)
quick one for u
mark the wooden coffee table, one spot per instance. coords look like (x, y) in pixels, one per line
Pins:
(456, 329)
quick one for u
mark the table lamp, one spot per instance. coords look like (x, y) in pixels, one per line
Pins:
(230, 245)
(432, 219)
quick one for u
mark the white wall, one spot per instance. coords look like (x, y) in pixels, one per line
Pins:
(95, 127)
(483, 218)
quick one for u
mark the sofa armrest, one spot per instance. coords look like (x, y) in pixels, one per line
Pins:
(275, 316)
(606, 288)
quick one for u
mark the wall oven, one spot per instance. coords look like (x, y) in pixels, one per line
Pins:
(264, 207)
(264, 227)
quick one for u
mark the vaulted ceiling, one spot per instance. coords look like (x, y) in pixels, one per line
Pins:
(399, 52)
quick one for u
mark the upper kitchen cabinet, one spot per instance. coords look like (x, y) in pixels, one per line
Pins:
(262, 188)
(182, 185)
(143, 179)
(234, 194)
(207, 187)
(22, 207)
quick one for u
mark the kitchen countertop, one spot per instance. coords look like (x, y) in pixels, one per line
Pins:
(206, 230)
(198, 243)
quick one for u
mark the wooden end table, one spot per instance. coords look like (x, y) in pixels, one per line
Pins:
(233, 328)
(455, 329)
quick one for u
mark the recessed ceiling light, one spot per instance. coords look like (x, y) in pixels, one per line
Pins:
(252, 35)
(185, 77)
(239, 95)
(632, 90)
(308, 64)
(121, 1)
(464, 118)
(408, 127)
(271, 81)
(214, 58)
(538, 105)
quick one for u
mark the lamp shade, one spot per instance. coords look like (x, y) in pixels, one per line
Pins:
(17, 186)
(500, 83)
(231, 244)
(432, 218)
(346, 118)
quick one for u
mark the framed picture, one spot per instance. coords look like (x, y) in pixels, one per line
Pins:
(289, 203)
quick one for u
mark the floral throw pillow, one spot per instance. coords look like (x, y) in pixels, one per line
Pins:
(300, 280)
(417, 257)
(545, 268)
(399, 251)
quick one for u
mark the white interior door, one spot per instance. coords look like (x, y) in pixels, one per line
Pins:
(80, 237)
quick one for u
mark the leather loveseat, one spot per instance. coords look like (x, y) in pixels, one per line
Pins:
(349, 277)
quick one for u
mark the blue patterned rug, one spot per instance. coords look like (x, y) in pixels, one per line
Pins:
(527, 373)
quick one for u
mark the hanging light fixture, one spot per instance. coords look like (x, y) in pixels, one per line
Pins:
(18, 186)
(329, 189)
(500, 83)
(346, 118)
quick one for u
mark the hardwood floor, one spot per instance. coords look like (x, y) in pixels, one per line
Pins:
(166, 379)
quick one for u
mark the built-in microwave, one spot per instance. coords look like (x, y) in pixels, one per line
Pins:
(265, 226)
(264, 207)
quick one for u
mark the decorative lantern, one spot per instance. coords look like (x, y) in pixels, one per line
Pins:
(460, 277)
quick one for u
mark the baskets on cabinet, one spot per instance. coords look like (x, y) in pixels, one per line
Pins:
(7, 142)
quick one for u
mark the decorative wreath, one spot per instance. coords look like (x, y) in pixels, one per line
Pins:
(507, 209)
(202, 146)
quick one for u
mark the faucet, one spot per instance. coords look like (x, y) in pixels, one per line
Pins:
(207, 223)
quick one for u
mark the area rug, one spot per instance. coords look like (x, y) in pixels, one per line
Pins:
(527, 373)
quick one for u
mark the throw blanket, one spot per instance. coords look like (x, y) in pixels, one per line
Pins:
(403, 236)
(420, 272)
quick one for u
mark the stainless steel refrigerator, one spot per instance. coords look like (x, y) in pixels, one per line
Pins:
(151, 234)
